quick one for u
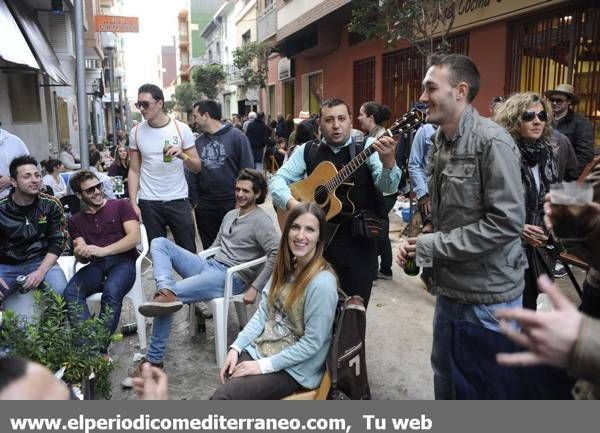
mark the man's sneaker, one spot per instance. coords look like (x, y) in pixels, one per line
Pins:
(164, 302)
(383, 276)
(128, 381)
(559, 270)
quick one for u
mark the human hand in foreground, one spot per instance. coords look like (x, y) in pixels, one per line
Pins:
(153, 385)
(548, 336)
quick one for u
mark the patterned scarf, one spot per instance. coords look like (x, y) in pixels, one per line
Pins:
(536, 153)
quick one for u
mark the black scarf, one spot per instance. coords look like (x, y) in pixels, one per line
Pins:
(538, 153)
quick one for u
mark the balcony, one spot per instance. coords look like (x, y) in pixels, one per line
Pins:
(297, 15)
(234, 75)
(267, 23)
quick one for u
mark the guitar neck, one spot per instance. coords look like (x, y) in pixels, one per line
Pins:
(353, 165)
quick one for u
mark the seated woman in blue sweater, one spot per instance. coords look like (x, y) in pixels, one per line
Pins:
(283, 347)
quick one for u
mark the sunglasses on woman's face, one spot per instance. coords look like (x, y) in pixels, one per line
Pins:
(529, 115)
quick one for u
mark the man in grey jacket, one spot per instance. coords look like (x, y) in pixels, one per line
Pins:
(247, 233)
(471, 247)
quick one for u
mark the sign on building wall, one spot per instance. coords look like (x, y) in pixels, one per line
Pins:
(284, 69)
(118, 24)
(469, 13)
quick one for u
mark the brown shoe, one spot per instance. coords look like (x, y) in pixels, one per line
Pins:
(128, 381)
(164, 302)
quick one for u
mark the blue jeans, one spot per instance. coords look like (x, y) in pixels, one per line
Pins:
(113, 276)
(448, 310)
(203, 280)
(23, 304)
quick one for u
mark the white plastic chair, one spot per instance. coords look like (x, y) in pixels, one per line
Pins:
(69, 265)
(219, 307)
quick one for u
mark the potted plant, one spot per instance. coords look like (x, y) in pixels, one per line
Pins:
(73, 348)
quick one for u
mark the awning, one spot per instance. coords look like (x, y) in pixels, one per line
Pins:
(36, 52)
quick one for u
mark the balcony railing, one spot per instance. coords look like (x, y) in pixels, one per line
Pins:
(267, 23)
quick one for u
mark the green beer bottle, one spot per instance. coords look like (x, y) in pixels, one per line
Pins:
(410, 267)
(166, 157)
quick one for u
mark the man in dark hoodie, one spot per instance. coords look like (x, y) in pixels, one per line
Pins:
(224, 151)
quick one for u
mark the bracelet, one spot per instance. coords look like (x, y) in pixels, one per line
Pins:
(185, 157)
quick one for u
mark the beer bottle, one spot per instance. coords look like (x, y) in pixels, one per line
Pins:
(166, 157)
(410, 267)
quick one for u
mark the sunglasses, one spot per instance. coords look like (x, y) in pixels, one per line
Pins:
(92, 189)
(558, 100)
(529, 115)
(140, 104)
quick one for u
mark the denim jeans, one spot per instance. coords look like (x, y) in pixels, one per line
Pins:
(113, 276)
(448, 310)
(23, 304)
(203, 280)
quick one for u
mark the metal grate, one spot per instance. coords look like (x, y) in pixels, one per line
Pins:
(363, 83)
(562, 46)
(403, 73)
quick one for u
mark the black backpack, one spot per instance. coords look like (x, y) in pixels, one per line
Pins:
(346, 362)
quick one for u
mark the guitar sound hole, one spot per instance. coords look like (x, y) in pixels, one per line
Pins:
(321, 195)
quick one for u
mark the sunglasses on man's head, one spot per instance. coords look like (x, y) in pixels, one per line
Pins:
(529, 115)
(558, 100)
(144, 104)
(92, 189)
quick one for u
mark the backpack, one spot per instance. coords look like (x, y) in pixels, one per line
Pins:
(346, 361)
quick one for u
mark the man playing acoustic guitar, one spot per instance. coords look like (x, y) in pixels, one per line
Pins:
(353, 246)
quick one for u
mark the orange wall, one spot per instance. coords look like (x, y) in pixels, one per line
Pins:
(337, 69)
(487, 48)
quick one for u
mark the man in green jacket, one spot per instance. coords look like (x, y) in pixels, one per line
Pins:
(471, 245)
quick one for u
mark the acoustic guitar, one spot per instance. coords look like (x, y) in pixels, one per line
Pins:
(322, 184)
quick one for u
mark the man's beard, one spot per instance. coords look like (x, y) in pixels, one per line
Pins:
(90, 203)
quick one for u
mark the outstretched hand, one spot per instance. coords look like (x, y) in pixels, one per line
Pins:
(548, 336)
(153, 385)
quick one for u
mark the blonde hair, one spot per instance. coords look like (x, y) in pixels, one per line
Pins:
(285, 262)
(508, 114)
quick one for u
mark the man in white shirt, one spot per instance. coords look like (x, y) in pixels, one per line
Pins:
(159, 149)
(11, 146)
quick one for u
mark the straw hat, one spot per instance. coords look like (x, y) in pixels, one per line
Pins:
(304, 115)
(564, 89)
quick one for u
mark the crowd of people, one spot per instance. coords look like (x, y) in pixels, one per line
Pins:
(482, 186)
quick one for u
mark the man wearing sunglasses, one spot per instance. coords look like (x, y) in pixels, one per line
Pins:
(105, 234)
(159, 149)
(577, 129)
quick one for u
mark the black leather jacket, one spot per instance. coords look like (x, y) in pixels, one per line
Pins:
(29, 232)
(580, 133)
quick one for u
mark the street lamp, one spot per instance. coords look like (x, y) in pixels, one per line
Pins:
(109, 42)
(119, 73)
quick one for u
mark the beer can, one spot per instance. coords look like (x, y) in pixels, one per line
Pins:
(129, 328)
(20, 280)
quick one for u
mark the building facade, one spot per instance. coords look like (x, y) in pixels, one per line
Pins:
(517, 45)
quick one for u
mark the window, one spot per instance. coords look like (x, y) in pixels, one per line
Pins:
(24, 96)
(559, 47)
(315, 92)
(246, 38)
(403, 73)
(363, 83)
